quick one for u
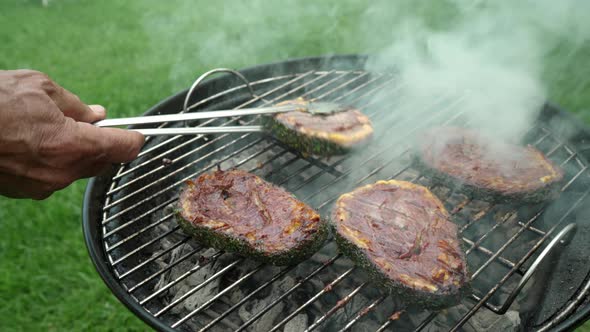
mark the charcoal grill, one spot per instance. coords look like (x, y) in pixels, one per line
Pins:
(529, 264)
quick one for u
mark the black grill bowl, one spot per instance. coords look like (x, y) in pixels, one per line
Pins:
(559, 292)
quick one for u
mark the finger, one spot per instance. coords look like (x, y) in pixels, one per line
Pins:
(99, 111)
(71, 106)
(57, 179)
(21, 187)
(113, 145)
(93, 169)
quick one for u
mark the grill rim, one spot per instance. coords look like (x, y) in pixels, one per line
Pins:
(98, 256)
(98, 185)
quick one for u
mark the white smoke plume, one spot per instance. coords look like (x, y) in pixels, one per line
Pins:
(490, 52)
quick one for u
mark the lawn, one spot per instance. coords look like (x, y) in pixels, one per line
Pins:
(128, 55)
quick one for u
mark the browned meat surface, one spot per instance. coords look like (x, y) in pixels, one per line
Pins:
(345, 128)
(238, 211)
(469, 158)
(403, 235)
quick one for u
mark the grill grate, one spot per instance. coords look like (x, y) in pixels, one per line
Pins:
(157, 263)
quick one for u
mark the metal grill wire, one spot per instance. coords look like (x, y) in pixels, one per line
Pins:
(147, 186)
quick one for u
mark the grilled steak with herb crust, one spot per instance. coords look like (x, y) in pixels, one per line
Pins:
(239, 212)
(401, 234)
(487, 168)
(320, 134)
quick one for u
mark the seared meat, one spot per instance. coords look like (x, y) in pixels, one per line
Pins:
(238, 211)
(320, 134)
(487, 168)
(401, 234)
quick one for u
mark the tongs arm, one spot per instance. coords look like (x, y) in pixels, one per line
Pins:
(199, 130)
(194, 116)
(321, 108)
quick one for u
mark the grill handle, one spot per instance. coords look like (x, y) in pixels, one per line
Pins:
(558, 239)
(200, 79)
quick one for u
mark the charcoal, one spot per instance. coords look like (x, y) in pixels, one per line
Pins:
(266, 321)
(296, 324)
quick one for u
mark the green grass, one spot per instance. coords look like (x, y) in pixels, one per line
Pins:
(128, 55)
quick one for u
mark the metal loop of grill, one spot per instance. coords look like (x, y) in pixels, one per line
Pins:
(529, 273)
(209, 73)
(194, 288)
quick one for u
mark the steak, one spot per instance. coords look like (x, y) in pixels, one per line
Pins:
(486, 168)
(239, 212)
(401, 234)
(320, 134)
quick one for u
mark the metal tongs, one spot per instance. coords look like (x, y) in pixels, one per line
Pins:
(194, 116)
(311, 106)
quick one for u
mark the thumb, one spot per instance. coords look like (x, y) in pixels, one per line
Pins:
(116, 145)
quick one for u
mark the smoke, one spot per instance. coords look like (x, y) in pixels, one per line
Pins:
(195, 36)
(490, 54)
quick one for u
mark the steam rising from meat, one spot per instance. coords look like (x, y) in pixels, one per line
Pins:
(489, 53)
(194, 36)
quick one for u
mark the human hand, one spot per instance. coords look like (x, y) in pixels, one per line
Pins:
(47, 140)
